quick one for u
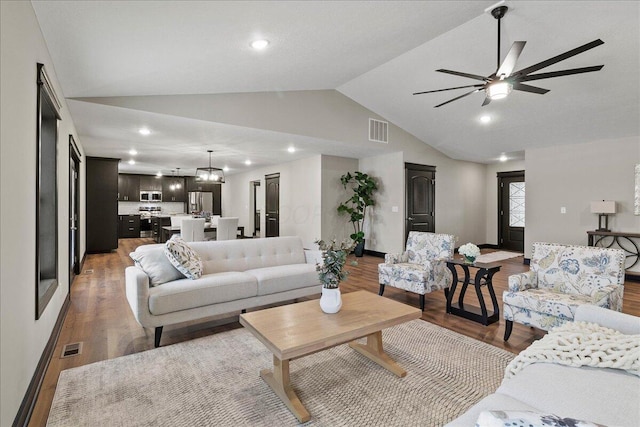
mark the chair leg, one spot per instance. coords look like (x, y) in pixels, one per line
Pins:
(381, 291)
(422, 302)
(507, 329)
(157, 337)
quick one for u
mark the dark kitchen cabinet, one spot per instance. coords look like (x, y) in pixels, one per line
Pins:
(128, 188)
(156, 227)
(128, 226)
(193, 185)
(102, 204)
(170, 190)
(150, 183)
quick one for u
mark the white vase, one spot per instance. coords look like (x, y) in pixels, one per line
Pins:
(330, 301)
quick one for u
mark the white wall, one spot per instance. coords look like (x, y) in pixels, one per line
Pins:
(300, 197)
(491, 185)
(22, 338)
(572, 176)
(335, 226)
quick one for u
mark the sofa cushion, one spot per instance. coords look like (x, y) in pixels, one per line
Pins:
(183, 258)
(493, 401)
(248, 254)
(156, 265)
(272, 280)
(548, 301)
(499, 418)
(600, 395)
(207, 290)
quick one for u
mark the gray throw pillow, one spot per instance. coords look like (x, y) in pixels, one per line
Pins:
(156, 265)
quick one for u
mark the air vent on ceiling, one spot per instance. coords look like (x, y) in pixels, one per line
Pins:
(378, 131)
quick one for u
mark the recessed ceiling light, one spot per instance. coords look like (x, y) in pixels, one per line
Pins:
(132, 162)
(226, 168)
(259, 44)
(291, 149)
(144, 131)
(503, 158)
(247, 162)
(485, 119)
(159, 174)
(133, 152)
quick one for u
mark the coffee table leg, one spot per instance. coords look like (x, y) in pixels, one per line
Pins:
(279, 382)
(373, 350)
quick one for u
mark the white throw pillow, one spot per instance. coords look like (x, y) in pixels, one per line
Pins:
(527, 419)
(156, 265)
(185, 259)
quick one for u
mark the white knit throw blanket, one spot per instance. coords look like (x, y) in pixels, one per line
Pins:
(581, 344)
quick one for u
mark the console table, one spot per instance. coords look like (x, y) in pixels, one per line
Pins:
(483, 277)
(623, 240)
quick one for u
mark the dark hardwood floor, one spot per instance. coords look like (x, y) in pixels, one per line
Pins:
(100, 318)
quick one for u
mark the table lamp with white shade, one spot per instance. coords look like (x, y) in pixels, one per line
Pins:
(603, 208)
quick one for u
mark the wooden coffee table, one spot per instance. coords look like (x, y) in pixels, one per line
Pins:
(297, 330)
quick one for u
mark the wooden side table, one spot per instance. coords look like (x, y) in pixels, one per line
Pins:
(483, 277)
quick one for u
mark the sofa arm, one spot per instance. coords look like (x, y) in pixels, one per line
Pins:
(612, 294)
(137, 292)
(313, 256)
(625, 323)
(396, 258)
(523, 281)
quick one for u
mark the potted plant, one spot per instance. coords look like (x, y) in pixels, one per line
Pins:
(331, 273)
(363, 186)
(470, 252)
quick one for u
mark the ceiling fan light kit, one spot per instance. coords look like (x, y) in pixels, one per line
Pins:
(500, 84)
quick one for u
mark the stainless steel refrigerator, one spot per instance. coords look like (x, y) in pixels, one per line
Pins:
(200, 201)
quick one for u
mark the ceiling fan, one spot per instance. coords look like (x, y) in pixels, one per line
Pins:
(499, 84)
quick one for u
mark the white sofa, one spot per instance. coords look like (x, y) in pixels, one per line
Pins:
(237, 274)
(600, 395)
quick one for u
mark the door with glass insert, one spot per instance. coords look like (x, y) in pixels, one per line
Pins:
(511, 210)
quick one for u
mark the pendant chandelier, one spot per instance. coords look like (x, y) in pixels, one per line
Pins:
(210, 174)
(175, 183)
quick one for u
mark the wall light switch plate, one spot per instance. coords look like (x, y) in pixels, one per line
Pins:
(394, 209)
(563, 210)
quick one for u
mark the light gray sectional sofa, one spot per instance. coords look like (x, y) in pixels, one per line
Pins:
(237, 274)
(605, 396)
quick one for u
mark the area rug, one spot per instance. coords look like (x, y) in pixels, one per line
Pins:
(214, 381)
(497, 256)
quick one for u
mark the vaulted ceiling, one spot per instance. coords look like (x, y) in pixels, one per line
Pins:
(375, 52)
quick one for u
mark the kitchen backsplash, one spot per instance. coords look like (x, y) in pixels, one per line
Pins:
(126, 208)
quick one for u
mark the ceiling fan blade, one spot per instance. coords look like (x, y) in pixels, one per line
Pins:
(559, 58)
(449, 88)
(527, 88)
(487, 100)
(457, 97)
(458, 73)
(560, 73)
(509, 63)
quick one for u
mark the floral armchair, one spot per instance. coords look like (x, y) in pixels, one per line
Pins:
(421, 268)
(560, 279)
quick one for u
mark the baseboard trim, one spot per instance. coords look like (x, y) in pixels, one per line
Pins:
(488, 246)
(374, 253)
(84, 257)
(632, 278)
(28, 402)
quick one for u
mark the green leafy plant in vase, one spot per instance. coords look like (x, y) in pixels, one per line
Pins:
(331, 272)
(363, 188)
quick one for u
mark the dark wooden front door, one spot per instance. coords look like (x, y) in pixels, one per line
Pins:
(272, 205)
(74, 211)
(511, 219)
(420, 184)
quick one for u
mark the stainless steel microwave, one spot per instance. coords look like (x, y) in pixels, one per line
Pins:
(151, 196)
